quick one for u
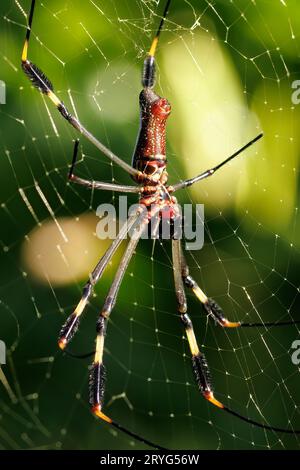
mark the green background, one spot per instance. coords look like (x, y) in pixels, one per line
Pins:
(252, 224)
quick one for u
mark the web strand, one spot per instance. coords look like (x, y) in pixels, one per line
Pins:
(223, 90)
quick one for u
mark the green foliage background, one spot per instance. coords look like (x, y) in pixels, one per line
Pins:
(255, 202)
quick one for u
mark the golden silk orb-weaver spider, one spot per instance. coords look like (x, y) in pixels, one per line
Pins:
(148, 170)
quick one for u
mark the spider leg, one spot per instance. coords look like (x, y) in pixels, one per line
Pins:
(97, 369)
(71, 325)
(97, 375)
(211, 307)
(214, 311)
(97, 184)
(43, 84)
(199, 362)
(211, 171)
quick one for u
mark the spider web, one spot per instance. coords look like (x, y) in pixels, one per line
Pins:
(227, 68)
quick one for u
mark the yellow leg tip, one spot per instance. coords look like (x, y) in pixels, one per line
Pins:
(210, 397)
(25, 51)
(62, 343)
(153, 46)
(230, 324)
(96, 410)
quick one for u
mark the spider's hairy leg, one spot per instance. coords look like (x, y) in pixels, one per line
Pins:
(199, 363)
(211, 307)
(97, 369)
(97, 385)
(35, 75)
(44, 85)
(214, 310)
(148, 76)
(71, 325)
(211, 171)
(97, 184)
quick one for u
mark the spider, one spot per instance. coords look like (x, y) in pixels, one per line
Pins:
(148, 170)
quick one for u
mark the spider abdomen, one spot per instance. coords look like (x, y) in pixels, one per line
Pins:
(150, 152)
